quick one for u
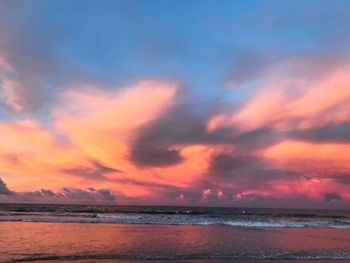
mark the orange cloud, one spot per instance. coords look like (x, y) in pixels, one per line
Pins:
(93, 130)
(95, 124)
(102, 123)
(31, 155)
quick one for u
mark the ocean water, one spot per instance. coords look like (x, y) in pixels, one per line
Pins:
(81, 233)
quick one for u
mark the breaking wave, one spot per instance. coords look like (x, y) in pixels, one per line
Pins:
(256, 221)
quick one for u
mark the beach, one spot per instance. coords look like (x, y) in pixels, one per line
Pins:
(35, 238)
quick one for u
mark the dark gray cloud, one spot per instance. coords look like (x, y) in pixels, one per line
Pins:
(329, 197)
(39, 194)
(4, 189)
(181, 126)
(258, 138)
(338, 133)
(225, 165)
(90, 194)
(343, 178)
(153, 145)
(245, 168)
(67, 195)
(96, 171)
(149, 156)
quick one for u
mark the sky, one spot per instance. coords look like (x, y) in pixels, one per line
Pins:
(200, 103)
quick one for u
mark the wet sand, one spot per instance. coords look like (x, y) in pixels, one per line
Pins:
(63, 242)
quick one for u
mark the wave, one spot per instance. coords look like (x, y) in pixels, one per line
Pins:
(173, 210)
(238, 256)
(247, 223)
(190, 220)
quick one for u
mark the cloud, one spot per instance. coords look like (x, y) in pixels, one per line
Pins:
(329, 197)
(289, 103)
(180, 127)
(3, 188)
(226, 164)
(249, 65)
(102, 122)
(33, 153)
(24, 85)
(95, 170)
(88, 142)
(91, 194)
(159, 142)
(66, 195)
(277, 147)
(42, 194)
(320, 159)
(336, 133)
(239, 167)
(283, 136)
(343, 178)
(31, 72)
(150, 156)
(253, 66)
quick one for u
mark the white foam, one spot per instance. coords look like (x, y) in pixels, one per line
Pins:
(176, 219)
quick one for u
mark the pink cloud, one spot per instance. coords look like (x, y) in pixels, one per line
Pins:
(294, 104)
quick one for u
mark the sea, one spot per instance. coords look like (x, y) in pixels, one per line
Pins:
(133, 234)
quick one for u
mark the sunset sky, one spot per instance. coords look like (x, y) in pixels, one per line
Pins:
(220, 103)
